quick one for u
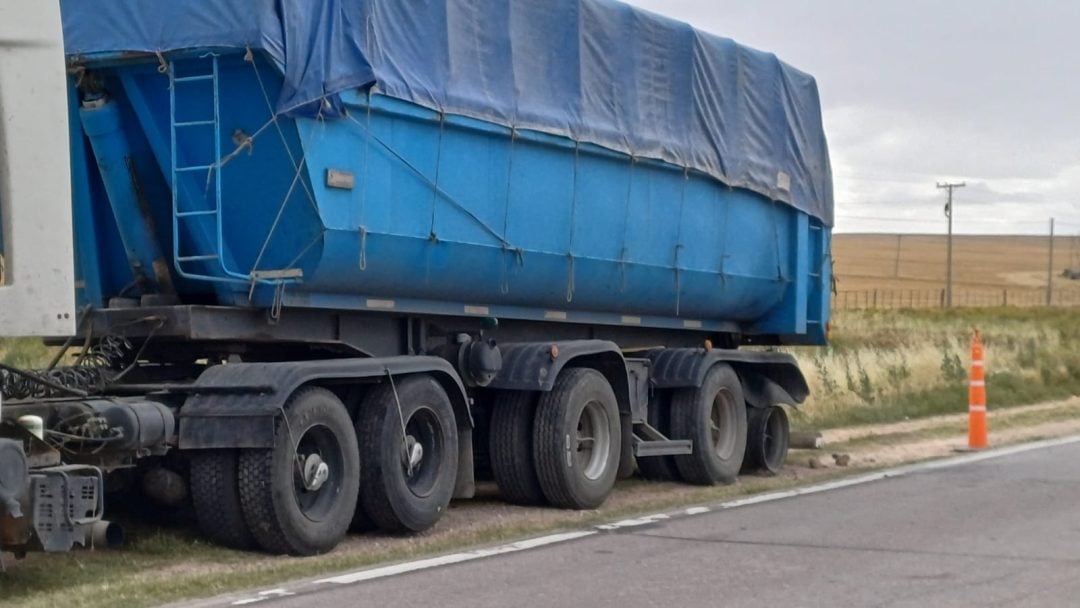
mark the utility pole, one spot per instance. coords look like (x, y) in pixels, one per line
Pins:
(896, 268)
(1050, 270)
(948, 261)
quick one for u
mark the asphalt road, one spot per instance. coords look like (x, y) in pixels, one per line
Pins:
(1001, 532)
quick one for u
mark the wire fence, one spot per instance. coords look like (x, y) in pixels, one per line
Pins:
(897, 299)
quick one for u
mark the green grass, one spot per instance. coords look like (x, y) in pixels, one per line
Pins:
(887, 366)
(24, 353)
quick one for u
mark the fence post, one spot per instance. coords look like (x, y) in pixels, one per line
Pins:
(943, 298)
(1004, 297)
(875, 298)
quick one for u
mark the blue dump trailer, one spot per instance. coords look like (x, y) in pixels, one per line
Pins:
(321, 266)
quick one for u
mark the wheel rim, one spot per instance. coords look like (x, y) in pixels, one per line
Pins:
(593, 441)
(422, 452)
(723, 424)
(317, 472)
(772, 444)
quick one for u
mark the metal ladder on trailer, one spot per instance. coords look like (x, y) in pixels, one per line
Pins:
(183, 132)
(210, 248)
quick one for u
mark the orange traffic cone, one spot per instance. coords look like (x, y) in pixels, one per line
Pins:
(977, 432)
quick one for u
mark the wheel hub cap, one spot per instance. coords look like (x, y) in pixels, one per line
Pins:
(592, 441)
(316, 472)
(414, 452)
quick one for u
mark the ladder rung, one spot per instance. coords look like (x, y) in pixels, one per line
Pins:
(196, 213)
(196, 123)
(194, 168)
(193, 78)
(197, 258)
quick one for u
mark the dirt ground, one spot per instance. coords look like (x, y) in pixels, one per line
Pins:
(982, 264)
(841, 435)
(901, 442)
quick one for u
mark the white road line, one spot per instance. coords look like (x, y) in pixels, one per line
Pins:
(552, 539)
(456, 558)
(263, 595)
(637, 521)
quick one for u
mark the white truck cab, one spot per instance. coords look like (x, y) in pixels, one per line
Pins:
(37, 292)
(37, 296)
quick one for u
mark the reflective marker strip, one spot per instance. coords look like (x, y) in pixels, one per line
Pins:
(977, 363)
(477, 310)
(978, 383)
(382, 304)
(631, 320)
(976, 408)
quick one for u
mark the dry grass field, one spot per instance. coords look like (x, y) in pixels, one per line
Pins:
(984, 267)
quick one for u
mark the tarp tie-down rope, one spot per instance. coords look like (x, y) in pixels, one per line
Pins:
(439, 192)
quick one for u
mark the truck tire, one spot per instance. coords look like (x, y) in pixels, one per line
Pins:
(713, 416)
(360, 521)
(510, 446)
(659, 468)
(299, 496)
(215, 494)
(392, 496)
(767, 438)
(576, 440)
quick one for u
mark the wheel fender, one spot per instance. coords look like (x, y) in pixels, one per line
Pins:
(248, 418)
(762, 391)
(534, 366)
(768, 378)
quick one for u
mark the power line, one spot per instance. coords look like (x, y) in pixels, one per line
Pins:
(885, 219)
(987, 221)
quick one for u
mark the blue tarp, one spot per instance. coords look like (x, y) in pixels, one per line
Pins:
(597, 71)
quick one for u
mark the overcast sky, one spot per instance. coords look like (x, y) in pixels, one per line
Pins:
(921, 91)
